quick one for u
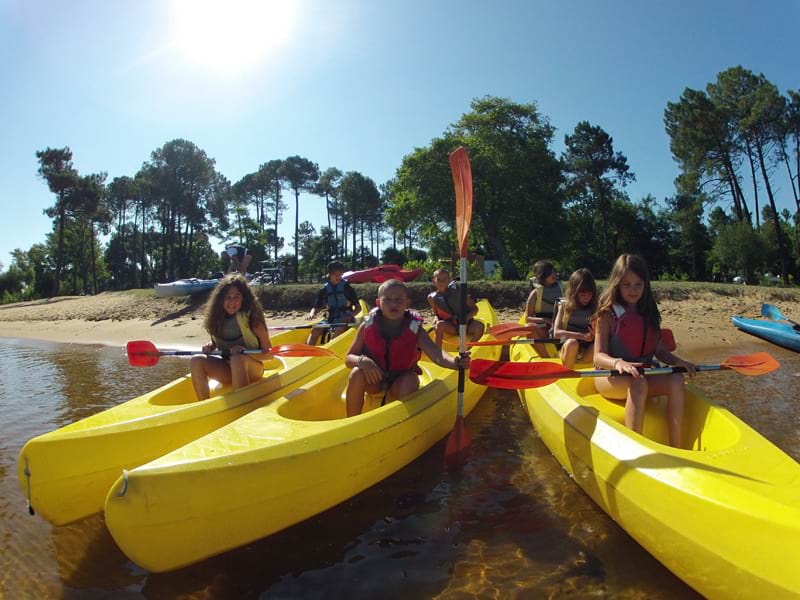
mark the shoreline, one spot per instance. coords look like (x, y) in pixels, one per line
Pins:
(113, 319)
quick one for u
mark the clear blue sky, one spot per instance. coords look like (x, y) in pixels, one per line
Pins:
(351, 84)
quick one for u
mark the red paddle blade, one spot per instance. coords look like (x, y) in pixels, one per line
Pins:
(759, 363)
(506, 331)
(516, 375)
(301, 350)
(462, 180)
(142, 353)
(455, 452)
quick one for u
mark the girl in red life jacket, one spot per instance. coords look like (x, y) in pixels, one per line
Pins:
(628, 337)
(384, 354)
(445, 302)
(235, 320)
(573, 324)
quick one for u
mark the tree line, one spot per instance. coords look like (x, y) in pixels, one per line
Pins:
(729, 141)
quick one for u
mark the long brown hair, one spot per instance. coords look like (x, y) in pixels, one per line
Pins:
(581, 280)
(215, 309)
(646, 306)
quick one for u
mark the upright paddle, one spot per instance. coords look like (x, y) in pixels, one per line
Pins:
(522, 375)
(459, 439)
(142, 353)
(774, 313)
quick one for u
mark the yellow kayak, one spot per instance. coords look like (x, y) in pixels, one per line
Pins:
(280, 464)
(723, 514)
(66, 473)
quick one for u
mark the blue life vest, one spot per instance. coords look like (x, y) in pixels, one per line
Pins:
(337, 302)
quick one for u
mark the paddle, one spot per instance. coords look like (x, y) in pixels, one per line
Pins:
(142, 353)
(505, 331)
(312, 325)
(515, 341)
(522, 375)
(774, 313)
(459, 439)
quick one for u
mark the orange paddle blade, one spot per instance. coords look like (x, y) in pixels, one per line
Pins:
(301, 350)
(455, 452)
(462, 180)
(759, 363)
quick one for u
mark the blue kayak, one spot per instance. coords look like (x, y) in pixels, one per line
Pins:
(777, 332)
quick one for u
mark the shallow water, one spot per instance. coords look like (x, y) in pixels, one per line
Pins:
(510, 524)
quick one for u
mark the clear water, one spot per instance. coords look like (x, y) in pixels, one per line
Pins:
(510, 524)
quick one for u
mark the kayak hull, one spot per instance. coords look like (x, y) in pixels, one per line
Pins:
(72, 468)
(287, 461)
(382, 273)
(723, 514)
(185, 287)
(777, 332)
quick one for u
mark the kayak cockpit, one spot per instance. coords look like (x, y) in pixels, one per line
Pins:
(706, 426)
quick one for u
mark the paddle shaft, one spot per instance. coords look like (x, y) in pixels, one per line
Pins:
(516, 341)
(642, 371)
(193, 352)
(312, 326)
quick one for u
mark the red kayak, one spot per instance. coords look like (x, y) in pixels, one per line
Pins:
(381, 273)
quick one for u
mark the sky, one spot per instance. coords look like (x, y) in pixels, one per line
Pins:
(355, 84)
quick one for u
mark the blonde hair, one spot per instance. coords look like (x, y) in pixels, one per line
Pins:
(215, 309)
(646, 306)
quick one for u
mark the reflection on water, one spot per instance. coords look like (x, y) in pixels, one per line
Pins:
(509, 524)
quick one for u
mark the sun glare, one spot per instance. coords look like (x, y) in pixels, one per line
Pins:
(232, 35)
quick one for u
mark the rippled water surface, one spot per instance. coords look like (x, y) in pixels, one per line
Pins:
(510, 524)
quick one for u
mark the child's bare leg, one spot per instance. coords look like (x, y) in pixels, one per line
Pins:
(671, 386)
(539, 332)
(633, 391)
(245, 370)
(440, 329)
(314, 336)
(356, 388)
(635, 403)
(475, 330)
(569, 353)
(404, 385)
(204, 367)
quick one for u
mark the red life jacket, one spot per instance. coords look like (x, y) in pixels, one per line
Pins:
(392, 355)
(629, 338)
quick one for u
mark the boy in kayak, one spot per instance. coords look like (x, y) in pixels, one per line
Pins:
(235, 320)
(540, 307)
(340, 300)
(385, 352)
(239, 258)
(445, 301)
(627, 338)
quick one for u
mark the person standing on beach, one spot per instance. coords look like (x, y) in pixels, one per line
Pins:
(239, 258)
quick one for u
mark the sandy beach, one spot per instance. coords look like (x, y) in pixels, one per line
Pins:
(113, 318)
